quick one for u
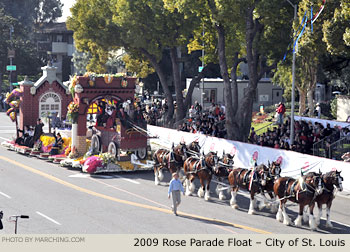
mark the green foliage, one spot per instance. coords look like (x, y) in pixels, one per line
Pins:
(140, 67)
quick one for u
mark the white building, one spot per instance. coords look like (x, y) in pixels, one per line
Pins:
(213, 91)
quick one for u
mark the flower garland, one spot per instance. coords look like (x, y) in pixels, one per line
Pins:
(73, 112)
(107, 158)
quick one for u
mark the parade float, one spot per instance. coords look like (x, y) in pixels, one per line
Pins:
(87, 146)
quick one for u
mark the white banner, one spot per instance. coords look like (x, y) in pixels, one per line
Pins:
(323, 122)
(292, 163)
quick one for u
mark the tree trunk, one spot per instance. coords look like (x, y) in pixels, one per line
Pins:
(310, 101)
(163, 82)
(244, 115)
(302, 101)
(194, 82)
(230, 115)
(180, 108)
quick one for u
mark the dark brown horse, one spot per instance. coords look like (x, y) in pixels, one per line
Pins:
(330, 180)
(168, 159)
(193, 149)
(201, 168)
(273, 173)
(251, 180)
(302, 191)
(222, 171)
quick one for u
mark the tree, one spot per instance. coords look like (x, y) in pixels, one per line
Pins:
(30, 12)
(141, 68)
(144, 28)
(23, 16)
(311, 53)
(240, 31)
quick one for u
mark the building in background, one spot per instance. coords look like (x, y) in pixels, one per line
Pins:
(55, 43)
(213, 91)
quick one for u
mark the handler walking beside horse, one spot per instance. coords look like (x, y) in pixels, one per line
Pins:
(175, 187)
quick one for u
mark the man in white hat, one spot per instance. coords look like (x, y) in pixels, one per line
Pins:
(175, 187)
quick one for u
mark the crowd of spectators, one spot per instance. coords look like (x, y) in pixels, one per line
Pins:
(209, 122)
(306, 135)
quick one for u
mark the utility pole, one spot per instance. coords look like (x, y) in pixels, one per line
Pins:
(202, 91)
(11, 56)
(295, 6)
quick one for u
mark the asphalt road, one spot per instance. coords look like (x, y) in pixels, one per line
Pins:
(60, 200)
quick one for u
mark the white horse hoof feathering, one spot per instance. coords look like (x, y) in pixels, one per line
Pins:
(221, 196)
(161, 175)
(279, 215)
(206, 196)
(200, 192)
(312, 223)
(156, 180)
(298, 221)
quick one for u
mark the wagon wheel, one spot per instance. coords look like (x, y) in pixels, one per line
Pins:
(113, 149)
(141, 153)
(95, 144)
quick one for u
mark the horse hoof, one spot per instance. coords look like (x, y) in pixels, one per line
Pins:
(297, 222)
(188, 193)
(329, 225)
(261, 206)
(222, 197)
(206, 198)
(234, 206)
(251, 212)
(286, 222)
(156, 182)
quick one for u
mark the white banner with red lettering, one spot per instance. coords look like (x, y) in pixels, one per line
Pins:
(246, 155)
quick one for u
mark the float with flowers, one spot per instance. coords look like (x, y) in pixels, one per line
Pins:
(97, 113)
(103, 136)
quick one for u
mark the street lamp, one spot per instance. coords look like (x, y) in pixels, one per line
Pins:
(295, 6)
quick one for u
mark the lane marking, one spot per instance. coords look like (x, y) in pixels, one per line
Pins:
(126, 179)
(48, 218)
(5, 195)
(126, 202)
(79, 175)
(6, 139)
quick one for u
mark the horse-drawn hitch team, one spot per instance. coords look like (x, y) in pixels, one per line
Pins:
(310, 189)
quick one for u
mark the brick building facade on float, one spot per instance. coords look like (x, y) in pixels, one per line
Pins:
(46, 95)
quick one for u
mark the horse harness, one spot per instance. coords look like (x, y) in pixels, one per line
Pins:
(203, 164)
(304, 186)
(168, 157)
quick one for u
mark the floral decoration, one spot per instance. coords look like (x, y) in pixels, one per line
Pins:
(73, 112)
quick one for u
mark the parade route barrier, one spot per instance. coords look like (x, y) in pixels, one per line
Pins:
(323, 122)
(292, 163)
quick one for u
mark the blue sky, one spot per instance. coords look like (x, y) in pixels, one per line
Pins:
(66, 6)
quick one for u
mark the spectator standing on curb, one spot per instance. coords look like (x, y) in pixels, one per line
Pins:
(280, 112)
(175, 187)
